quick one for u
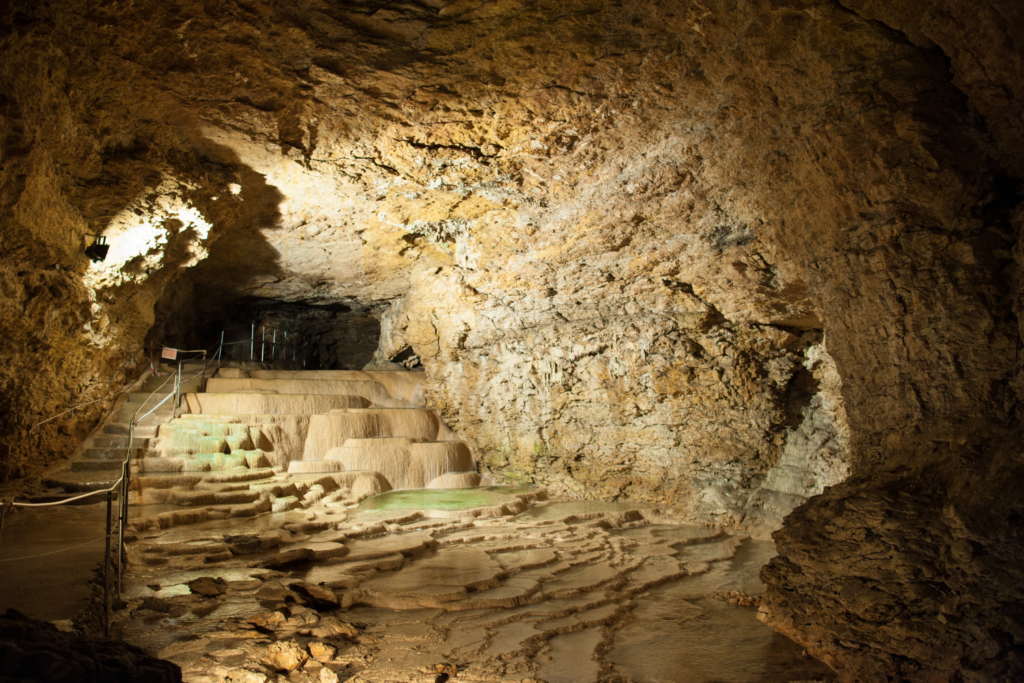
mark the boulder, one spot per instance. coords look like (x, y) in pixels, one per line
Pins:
(32, 650)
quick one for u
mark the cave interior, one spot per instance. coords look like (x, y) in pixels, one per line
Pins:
(750, 265)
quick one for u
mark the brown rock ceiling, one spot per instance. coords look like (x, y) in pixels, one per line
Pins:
(719, 253)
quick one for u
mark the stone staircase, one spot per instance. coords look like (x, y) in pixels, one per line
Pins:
(99, 463)
(107, 452)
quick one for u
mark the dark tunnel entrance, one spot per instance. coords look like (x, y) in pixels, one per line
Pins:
(298, 336)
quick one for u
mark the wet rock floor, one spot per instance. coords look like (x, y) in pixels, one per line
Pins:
(49, 559)
(564, 592)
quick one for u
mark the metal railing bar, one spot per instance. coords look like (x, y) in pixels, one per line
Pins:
(169, 378)
(151, 411)
(69, 410)
(122, 518)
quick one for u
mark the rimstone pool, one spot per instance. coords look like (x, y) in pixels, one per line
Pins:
(495, 583)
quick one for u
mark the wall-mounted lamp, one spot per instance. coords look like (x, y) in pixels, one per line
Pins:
(97, 251)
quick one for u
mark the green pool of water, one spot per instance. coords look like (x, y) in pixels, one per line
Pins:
(442, 499)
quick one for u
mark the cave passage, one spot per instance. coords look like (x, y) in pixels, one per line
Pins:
(341, 336)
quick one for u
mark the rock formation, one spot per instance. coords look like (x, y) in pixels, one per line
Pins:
(717, 254)
(37, 651)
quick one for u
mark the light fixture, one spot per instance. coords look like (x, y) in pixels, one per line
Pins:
(97, 251)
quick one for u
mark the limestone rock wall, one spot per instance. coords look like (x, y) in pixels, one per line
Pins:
(646, 393)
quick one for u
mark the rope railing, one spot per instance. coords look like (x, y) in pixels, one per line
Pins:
(65, 501)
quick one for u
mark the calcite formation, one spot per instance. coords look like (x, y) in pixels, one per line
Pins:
(564, 592)
(716, 254)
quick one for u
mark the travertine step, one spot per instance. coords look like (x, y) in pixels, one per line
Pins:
(309, 466)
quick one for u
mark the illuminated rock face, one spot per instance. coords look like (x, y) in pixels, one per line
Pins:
(710, 253)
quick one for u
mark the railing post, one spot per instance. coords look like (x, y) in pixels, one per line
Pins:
(221, 348)
(131, 444)
(127, 485)
(121, 517)
(106, 574)
(286, 345)
(177, 391)
(252, 343)
(273, 347)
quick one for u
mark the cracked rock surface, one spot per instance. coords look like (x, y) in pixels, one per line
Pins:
(561, 592)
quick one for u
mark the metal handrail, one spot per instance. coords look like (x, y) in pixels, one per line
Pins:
(130, 359)
(125, 480)
(285, 343)
(133, 420)
(70, 410)
(153, 410)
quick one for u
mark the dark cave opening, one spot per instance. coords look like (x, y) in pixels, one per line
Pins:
(336, 336)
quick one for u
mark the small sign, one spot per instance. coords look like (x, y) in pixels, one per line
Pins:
(169, 354)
